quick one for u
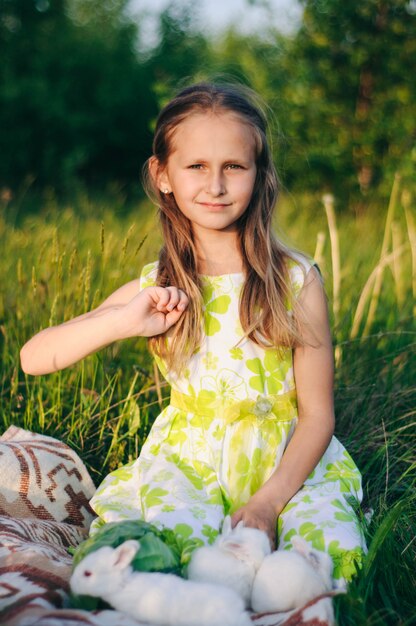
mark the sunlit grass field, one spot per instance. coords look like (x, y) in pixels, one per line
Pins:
(63, 260)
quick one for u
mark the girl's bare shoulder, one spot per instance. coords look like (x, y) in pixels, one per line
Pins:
(302, 269)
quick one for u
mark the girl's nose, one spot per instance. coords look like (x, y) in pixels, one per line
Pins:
(216, 184)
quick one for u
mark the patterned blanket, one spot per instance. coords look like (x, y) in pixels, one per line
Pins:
(44, 494)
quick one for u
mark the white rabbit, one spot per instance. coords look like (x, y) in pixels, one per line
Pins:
(232, 560)
(155, 598)
(288, 579)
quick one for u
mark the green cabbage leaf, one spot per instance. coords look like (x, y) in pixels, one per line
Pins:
(160, 551)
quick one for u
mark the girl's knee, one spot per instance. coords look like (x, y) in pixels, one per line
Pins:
(328, 525)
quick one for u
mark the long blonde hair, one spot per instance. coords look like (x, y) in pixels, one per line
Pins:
(267, 295)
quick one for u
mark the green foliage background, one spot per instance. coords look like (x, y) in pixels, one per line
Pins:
(79, 93)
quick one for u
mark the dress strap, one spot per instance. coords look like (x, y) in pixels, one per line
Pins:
(279, 407)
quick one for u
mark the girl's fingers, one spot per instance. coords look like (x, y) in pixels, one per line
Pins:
(178, 299)
(162, 297)
(170, 298)
(183, 300)
(166, 298)
(236, 517)
(256, 521)
(173, 315)
(174, 298)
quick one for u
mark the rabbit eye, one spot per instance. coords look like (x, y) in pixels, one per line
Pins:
(314, 559)
(87, 573)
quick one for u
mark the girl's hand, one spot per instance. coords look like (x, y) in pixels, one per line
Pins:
(259, 513)
(152, 311)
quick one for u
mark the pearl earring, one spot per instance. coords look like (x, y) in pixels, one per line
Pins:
(166, 191)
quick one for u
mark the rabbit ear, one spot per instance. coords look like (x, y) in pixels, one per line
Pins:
(226, 526)
(235, 547)
(125, 553)
(311, 555)
(301, 545)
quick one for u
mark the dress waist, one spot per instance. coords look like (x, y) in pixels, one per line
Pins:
(279, 407)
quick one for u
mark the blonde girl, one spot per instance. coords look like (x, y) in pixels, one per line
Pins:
(239, 327)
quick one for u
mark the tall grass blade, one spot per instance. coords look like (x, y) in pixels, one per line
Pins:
(384, 247)
(382, 533)
(411, 230)
(328, 200)
(397, 265)
(319, 250)
(365, 294)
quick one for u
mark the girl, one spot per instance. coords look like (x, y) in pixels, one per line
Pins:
(238, 325)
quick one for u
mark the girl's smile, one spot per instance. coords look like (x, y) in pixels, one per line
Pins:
(214, 205)
(211, 169)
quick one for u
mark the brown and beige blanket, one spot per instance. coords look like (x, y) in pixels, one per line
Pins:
(44, 494)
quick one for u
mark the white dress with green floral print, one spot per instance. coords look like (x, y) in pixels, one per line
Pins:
(231, 415)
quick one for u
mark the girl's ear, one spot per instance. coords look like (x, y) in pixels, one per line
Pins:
(159, 175)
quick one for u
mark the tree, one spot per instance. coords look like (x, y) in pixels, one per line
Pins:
(74, 101)
(352, 92)
(182, 55)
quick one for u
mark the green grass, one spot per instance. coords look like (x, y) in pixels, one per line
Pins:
(64, 260)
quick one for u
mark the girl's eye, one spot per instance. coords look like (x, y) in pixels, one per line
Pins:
(229, 166)
(234, 166)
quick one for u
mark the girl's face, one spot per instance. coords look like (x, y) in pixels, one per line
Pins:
(211, 170)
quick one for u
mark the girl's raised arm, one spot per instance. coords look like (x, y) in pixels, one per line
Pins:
(128, 312)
